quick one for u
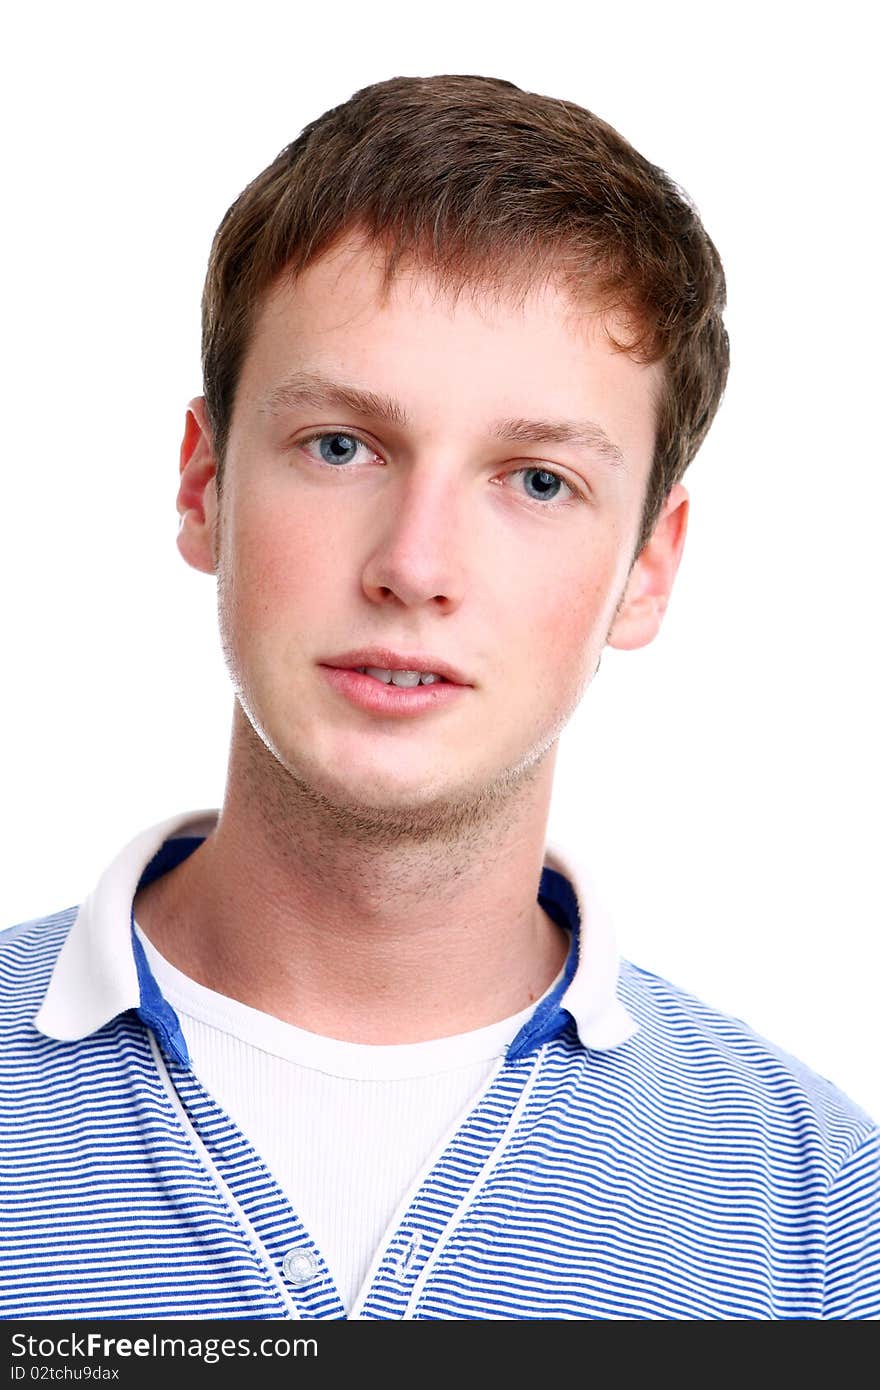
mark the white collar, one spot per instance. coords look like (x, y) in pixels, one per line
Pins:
(95, 977)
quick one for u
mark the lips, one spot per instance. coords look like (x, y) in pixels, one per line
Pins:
(384, 658)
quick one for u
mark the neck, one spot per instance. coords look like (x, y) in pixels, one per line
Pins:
(357, 924)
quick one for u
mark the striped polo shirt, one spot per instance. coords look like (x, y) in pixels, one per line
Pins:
(635, 1154)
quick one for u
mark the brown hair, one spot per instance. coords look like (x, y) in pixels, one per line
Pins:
(484, 182)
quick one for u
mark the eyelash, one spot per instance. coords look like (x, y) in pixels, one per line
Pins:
(575, 494)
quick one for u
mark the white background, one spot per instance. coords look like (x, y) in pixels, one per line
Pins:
(722, 783)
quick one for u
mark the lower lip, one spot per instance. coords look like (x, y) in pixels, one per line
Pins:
(372, 694)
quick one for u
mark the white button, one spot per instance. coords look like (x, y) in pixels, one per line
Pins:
(299, 1265)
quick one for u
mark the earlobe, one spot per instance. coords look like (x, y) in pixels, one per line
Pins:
(197, 493)
(646, 596)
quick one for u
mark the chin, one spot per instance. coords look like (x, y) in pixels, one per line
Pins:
(348, 781)
(381, 795)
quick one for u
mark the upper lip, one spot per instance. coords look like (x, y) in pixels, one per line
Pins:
(384, 659)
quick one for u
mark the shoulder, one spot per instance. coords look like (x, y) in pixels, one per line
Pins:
(713, 1064)
(28, 953)
(40, 938)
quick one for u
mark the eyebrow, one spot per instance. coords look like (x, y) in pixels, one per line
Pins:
(583, 434)
(314, 390)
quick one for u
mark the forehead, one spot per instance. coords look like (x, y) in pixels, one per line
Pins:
(480, 345)
(354, 280)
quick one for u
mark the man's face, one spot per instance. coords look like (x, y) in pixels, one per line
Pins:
(453, 481)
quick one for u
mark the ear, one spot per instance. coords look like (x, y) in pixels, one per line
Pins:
(644, 601)
(197, 494)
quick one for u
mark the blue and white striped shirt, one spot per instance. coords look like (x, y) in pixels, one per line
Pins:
(636, 1155)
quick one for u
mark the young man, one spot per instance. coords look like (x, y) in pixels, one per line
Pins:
(360, 1046)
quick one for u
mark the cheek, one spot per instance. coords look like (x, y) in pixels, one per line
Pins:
(570, 616)
(573, 628)
(276, 567)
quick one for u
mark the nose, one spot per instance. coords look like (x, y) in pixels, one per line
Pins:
(418, 556)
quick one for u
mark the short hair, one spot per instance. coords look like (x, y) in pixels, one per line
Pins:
(484, 183)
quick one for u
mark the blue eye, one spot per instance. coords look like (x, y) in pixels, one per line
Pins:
(542, 485)
(336, 448)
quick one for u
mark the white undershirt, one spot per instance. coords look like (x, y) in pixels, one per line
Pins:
(346, 1128)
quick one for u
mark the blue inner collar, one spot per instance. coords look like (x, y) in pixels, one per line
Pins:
(555, 895)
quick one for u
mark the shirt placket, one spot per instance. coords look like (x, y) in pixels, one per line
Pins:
(411, 1253)
(408, 1250)
(293, 1254)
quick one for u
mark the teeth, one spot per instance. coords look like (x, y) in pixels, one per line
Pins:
(401, 678)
